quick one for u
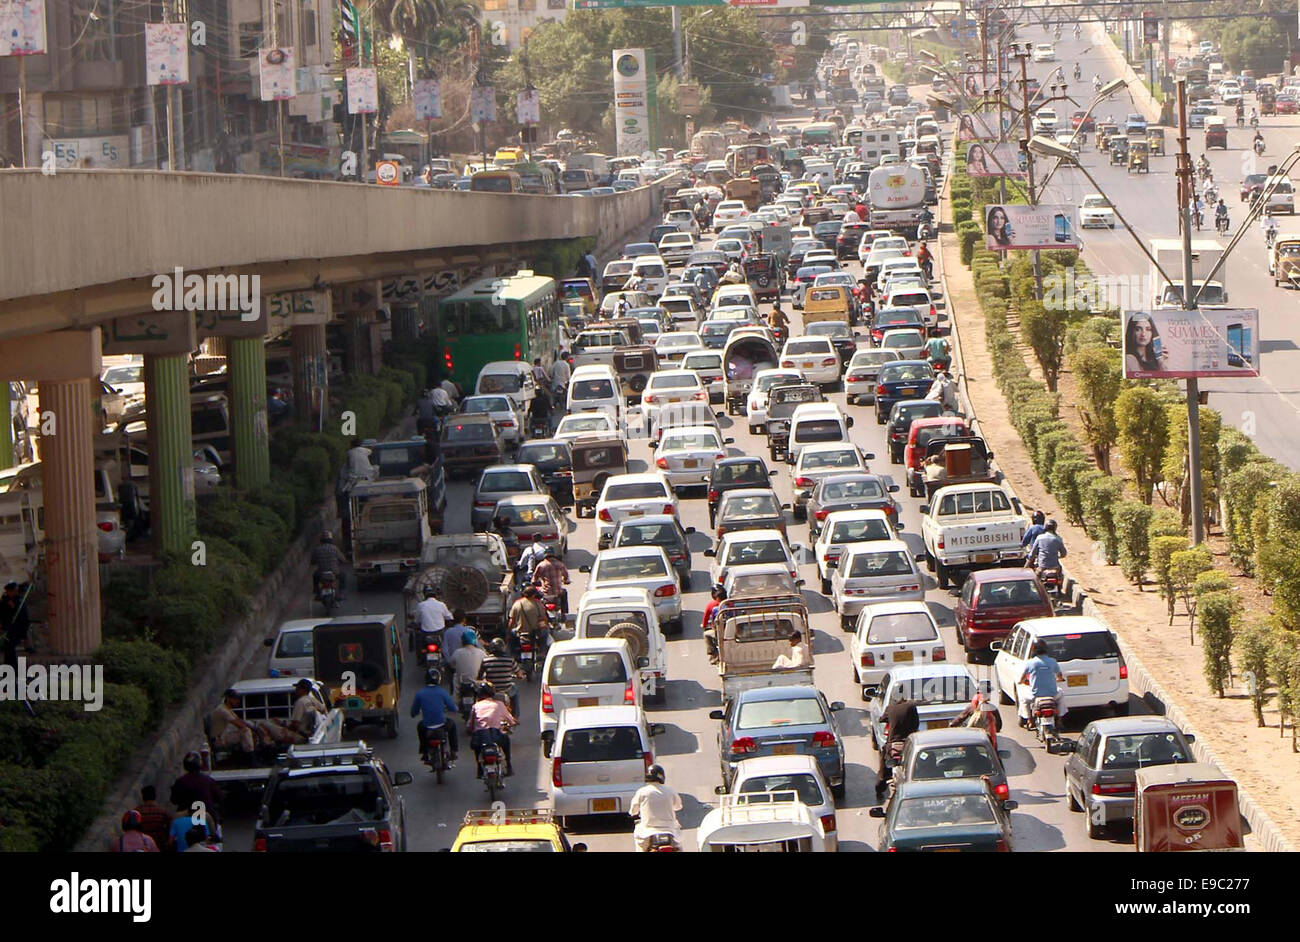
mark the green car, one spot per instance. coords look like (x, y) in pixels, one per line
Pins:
(946, 816)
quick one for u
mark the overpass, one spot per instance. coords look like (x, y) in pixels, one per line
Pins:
(79, 254)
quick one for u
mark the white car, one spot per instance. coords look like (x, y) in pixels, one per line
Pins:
(843, 529)
(1044, 52)
(681, 308)
(643, 494)
(909, 344)
(748, 547)
(1095, 210)
(599, 755)
(669, 388)
(734, 249)
(672, 347)
(879, 255)
(815, 357)
(1230, 92)
(501, 410)
(684, 220)
(801, 232)
(1045, 120)
(756, 403)
(860, 375)
(867, 573)
(645, 567)
(1068, 139)
(728, 212)
(601, 671)
(653, 272)
(821, 257)
(819, 461)
(585, 423)
(892, 633)
(686, 455)
(707, 364)
(758, 778)
(676, 247)
(734, 296)
(1090, 659)
(911, 294)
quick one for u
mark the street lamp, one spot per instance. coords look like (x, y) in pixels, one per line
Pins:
(1110, 88)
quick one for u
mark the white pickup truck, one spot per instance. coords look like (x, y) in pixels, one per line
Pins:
(628, 613)
(971, 526)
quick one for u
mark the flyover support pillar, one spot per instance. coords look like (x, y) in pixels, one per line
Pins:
(250, 442)
(7, 443)
(406, 323)
(171, 453)
(310, 376)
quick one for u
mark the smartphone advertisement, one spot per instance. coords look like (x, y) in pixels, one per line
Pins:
(1009, 227)
(1170, 343)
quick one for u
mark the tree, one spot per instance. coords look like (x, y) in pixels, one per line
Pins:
(1220, 612)
(1173, 467)
(1284, 668)
(1184, 567)
(1142, 433)
(1253, 644)
(1132, 525)
(1044, 331)
(1097, 373)
(1162, 550)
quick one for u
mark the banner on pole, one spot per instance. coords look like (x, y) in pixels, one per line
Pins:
(1029, 227)
(996, 160)
(1170, 343)
(167, 53)
(528, 107)
(363, 91)
(428, 99)
(483, 104)
(277, 74)
(22, 28)
(631, 107)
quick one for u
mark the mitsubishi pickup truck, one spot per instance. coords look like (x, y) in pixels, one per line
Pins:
(971, 526)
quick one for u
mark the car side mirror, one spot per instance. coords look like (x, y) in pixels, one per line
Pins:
(548, 736)
(711, 554)
(925, 509)
(720, 415)
(837, 706)
(584, 568)
(643, 662)
(1004, 753)
(1010, 805)
(893, 488)
(870, 456)
(717, 715)
(1190, 737)
(995, 645)
(657, 729)
(772, 473)
(402, 778)
(876, 812)
(870, 691)
(719, 789)
(800, 582)
(728, 441)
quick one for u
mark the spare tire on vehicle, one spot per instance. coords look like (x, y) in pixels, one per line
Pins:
(638, 382)
(464, 587)
(634, 635)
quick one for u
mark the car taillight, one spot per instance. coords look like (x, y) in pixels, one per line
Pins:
(714, 495)
(259, 845)
(889, 510)
(868, 659)
(939, 544)
(787, 364)
(661, 463)
(1123, 672)
(629, 693)
(933, 312)
(881, 391)
(828, 823)
(876, 335)
(557, 772)
(803, 482)
(1002, 791)
(604, 515)
(823, 739)
(666, 591)
(107, 526)
(484, 503)
(830, 361)
(668, 510)
(700, 396)
(1113, 788)
(649, 399)
(821, 514)
(858, 379)
(1001, 847)
(741, 746)
(547, 536)
(548, 702)
(939, 654)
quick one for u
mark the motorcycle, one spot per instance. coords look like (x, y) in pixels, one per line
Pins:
(1044, 710)
(327, 592)
(1259, 147)
(436, 754)
(1053, 580)
(1221, 224)
(1254, 121)
(466, 699)
(1269, 236)
(492, 761)
(528, 652)
(1078, 73)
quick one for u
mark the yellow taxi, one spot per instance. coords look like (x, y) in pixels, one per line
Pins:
(512, 830)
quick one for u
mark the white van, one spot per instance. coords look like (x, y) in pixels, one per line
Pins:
(595, 388)
(511, 378)
(815, 423)
(1090, 659)
(599, 756)
(627, 615)
(291, 649)
(586, 672)
(653, 271)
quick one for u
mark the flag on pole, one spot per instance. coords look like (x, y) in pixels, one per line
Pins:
(349, 17)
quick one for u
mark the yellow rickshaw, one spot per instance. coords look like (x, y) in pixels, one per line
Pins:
(1105, 131)
(359, 658)
(1139, 155)
(1156, 141)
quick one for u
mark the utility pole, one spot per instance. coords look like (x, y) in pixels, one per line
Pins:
(1021, 52)
(1185, 173)
(677, 42)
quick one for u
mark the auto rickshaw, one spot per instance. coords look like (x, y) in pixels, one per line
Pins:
(763, 275)
(1186, 806)
(1118, 151)
(580, 289)
(634, 366)
(359, 658)
(1105, 131)
(596, 459)
(1156, 141)
(1266, 95)
(1139, 157)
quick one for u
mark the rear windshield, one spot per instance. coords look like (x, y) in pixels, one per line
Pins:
(892, 563)
(648, 490)
(905, 373)
(467, 433)
(1086, 646)
(846, 458)
(947, 688)
(920, 410)
(600, 623)
(756, 505)
(905, 626)
(528, 515)
(506, 481)
(593, 389)
(631, 567)
(649, 534)
(944, 811)
(756, 551)
(603, 668)
(935, 432)
(766, 714)
(807, 346)
(1143, 749)
(651, 271)
(746, 473)
(902, 338)
(594, 423)
(693, 441)
(500, 383)
(860, 531)
(675, 382)
(603, 744)
(487, 404)
(543, 454)
(852, 490)
(974, 502)
(819, 430)
(294, 644)
(804, 785)
(323, 798)
(965, 761)
(1009, 593)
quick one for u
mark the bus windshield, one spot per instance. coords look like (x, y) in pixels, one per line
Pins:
(480, 317)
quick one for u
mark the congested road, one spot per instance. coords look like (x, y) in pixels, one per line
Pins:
(1266, 407)
(689, 750)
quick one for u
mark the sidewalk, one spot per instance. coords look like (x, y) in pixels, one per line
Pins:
(1226, 727)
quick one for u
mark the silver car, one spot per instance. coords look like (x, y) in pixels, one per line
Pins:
(500, 481)
(502, 410)
(536, 518)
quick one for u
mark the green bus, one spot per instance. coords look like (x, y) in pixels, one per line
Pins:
(511, 318)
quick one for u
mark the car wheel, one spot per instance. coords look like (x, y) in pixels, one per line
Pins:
(941, 573)
(895, 457)
(929, 561)
(838, 791)
(850, 400)
(880, 419)
(848, 623)
(1069, 796)
(676, 626)
(755, 429)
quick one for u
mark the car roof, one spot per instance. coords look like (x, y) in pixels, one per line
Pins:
(1001, 574)
(826, 446)
(657, 519)
(588, 717)
(1132, 725)
(791, 692)
(771, 765)
(510, 467)
(767, 534)
(661, 374)
(505, 366)
(524, 499)
(897, 608)
(746, 492)
(949, 736)
(688, 429)
(627, 552)
(741, 459)
(636, 477)
(579, 645)
(929, 670)
(1062, 625)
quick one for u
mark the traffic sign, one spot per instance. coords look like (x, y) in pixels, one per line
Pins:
(388, 173)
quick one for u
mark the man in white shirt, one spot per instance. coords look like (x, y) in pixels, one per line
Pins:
(798, 656)
(358, 463)
(434, 613)
(560, 374)
(655, 808)
(944, 391)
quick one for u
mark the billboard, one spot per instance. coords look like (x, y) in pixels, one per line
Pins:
(528, 106)
(363, 91)
(482, 104)
(277, 74)
(631, 105)
(977, 127)
(167, 53)
(1046, 226)
(1170, 343)
(427, 94)
(996, 160)
(22, 28)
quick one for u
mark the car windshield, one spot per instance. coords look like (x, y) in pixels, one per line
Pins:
(820, 460)
(744, 472)
(1085, 646)
(604, 667)
(603, 744)
(585, 423)
(1141, 750)
(758, 790)
(486, 404)
(969, 760)
(743, 553)
(294, 644)
(865, 488)
(524, 515)
(629, 567)
(689, 441)
(1009, 592)
(468, 432)
(905, 373)
(869, 565)
(946, 688)
(750, 505)
(675, 340)
(322, 798)
(944, 811)
(121, 375)
(765, 714)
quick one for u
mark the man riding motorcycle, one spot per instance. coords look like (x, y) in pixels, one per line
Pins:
(432, 704)
(655, 808)
(551, 576)
(778, 320)
(924, 224)
(1221, 221)
(901, 720)
(327, 557)
(1258, 143)
(490, 721)
(1047, 550)
(1039, 679)
(925, 260)
(1078, 72)
(1269, 227)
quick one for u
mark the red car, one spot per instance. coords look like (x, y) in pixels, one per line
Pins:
(1287, 105)
(923, 432)
(993, 601)
(1082, 117)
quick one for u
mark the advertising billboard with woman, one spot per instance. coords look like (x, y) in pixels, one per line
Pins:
(1170, 343)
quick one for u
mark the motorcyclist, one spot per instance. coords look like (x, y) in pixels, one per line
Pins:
(1258, 143)
(528, 614)
(939, 353)
(621, 307)
(551, 576)
(924, 223)
(733, 275)
(1047, 550)
(433, 611)
(901, 720)
(778, 320)
(1078, 72)
(944, 391)
(1198, 211)
(1241, 113)
(1039, 679)
(1221, 216)
(529, 560)
(327, 557)
(655, 808)
(432, 704)
(717, 595)
(1096, 82)
(1268, 225)
(925, 260)
(490, 720)
(501, 527)
(1036, 527)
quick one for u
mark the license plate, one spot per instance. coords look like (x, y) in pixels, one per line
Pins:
(691, 463)
(986, 557)
(900, 656)
(604, 804)
(908, 392)
(938, 724)
(1077, 680)
(807, 364)
(588, 701)
(636, 513)
(783, 749)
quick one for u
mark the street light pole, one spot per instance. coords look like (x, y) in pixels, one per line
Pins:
(1021, 52)
(1185, 171)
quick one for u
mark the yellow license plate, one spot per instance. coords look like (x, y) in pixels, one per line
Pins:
(900, 656)
(908, 392)
(986, 557)
(1077, 680)
(588, 701)
(604, 804)
(938, 724)
(691, 463)
(807, 364)
(783, 749)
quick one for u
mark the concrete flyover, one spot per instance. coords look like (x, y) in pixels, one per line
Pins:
(79, 252)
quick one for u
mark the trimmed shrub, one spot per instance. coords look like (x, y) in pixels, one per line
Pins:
(1100, 501)
(1242, 490)
(1162, 550)
(1184, 567)
(1165, 521)
(1067, 475)
(1279, 573)
(1220, 612)
(1132, 526)
(1254, 640)
(162, 675)
(1212, 580)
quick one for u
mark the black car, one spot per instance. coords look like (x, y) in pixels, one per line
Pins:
(898, 95)
(893, 318)
(827, 232)
(731, 473)
(749, 508)
(714, 333)
(470, 443)
(797, 252)
(906, 379)
(716, 260)
(338, 797)
(849, 238)
(554, 462)
(855, 490)
(662, 531)
(841, 336)
(658, 232)
(901, 417)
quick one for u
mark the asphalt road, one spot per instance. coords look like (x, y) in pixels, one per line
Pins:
(689, 750)
(1266, 407)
